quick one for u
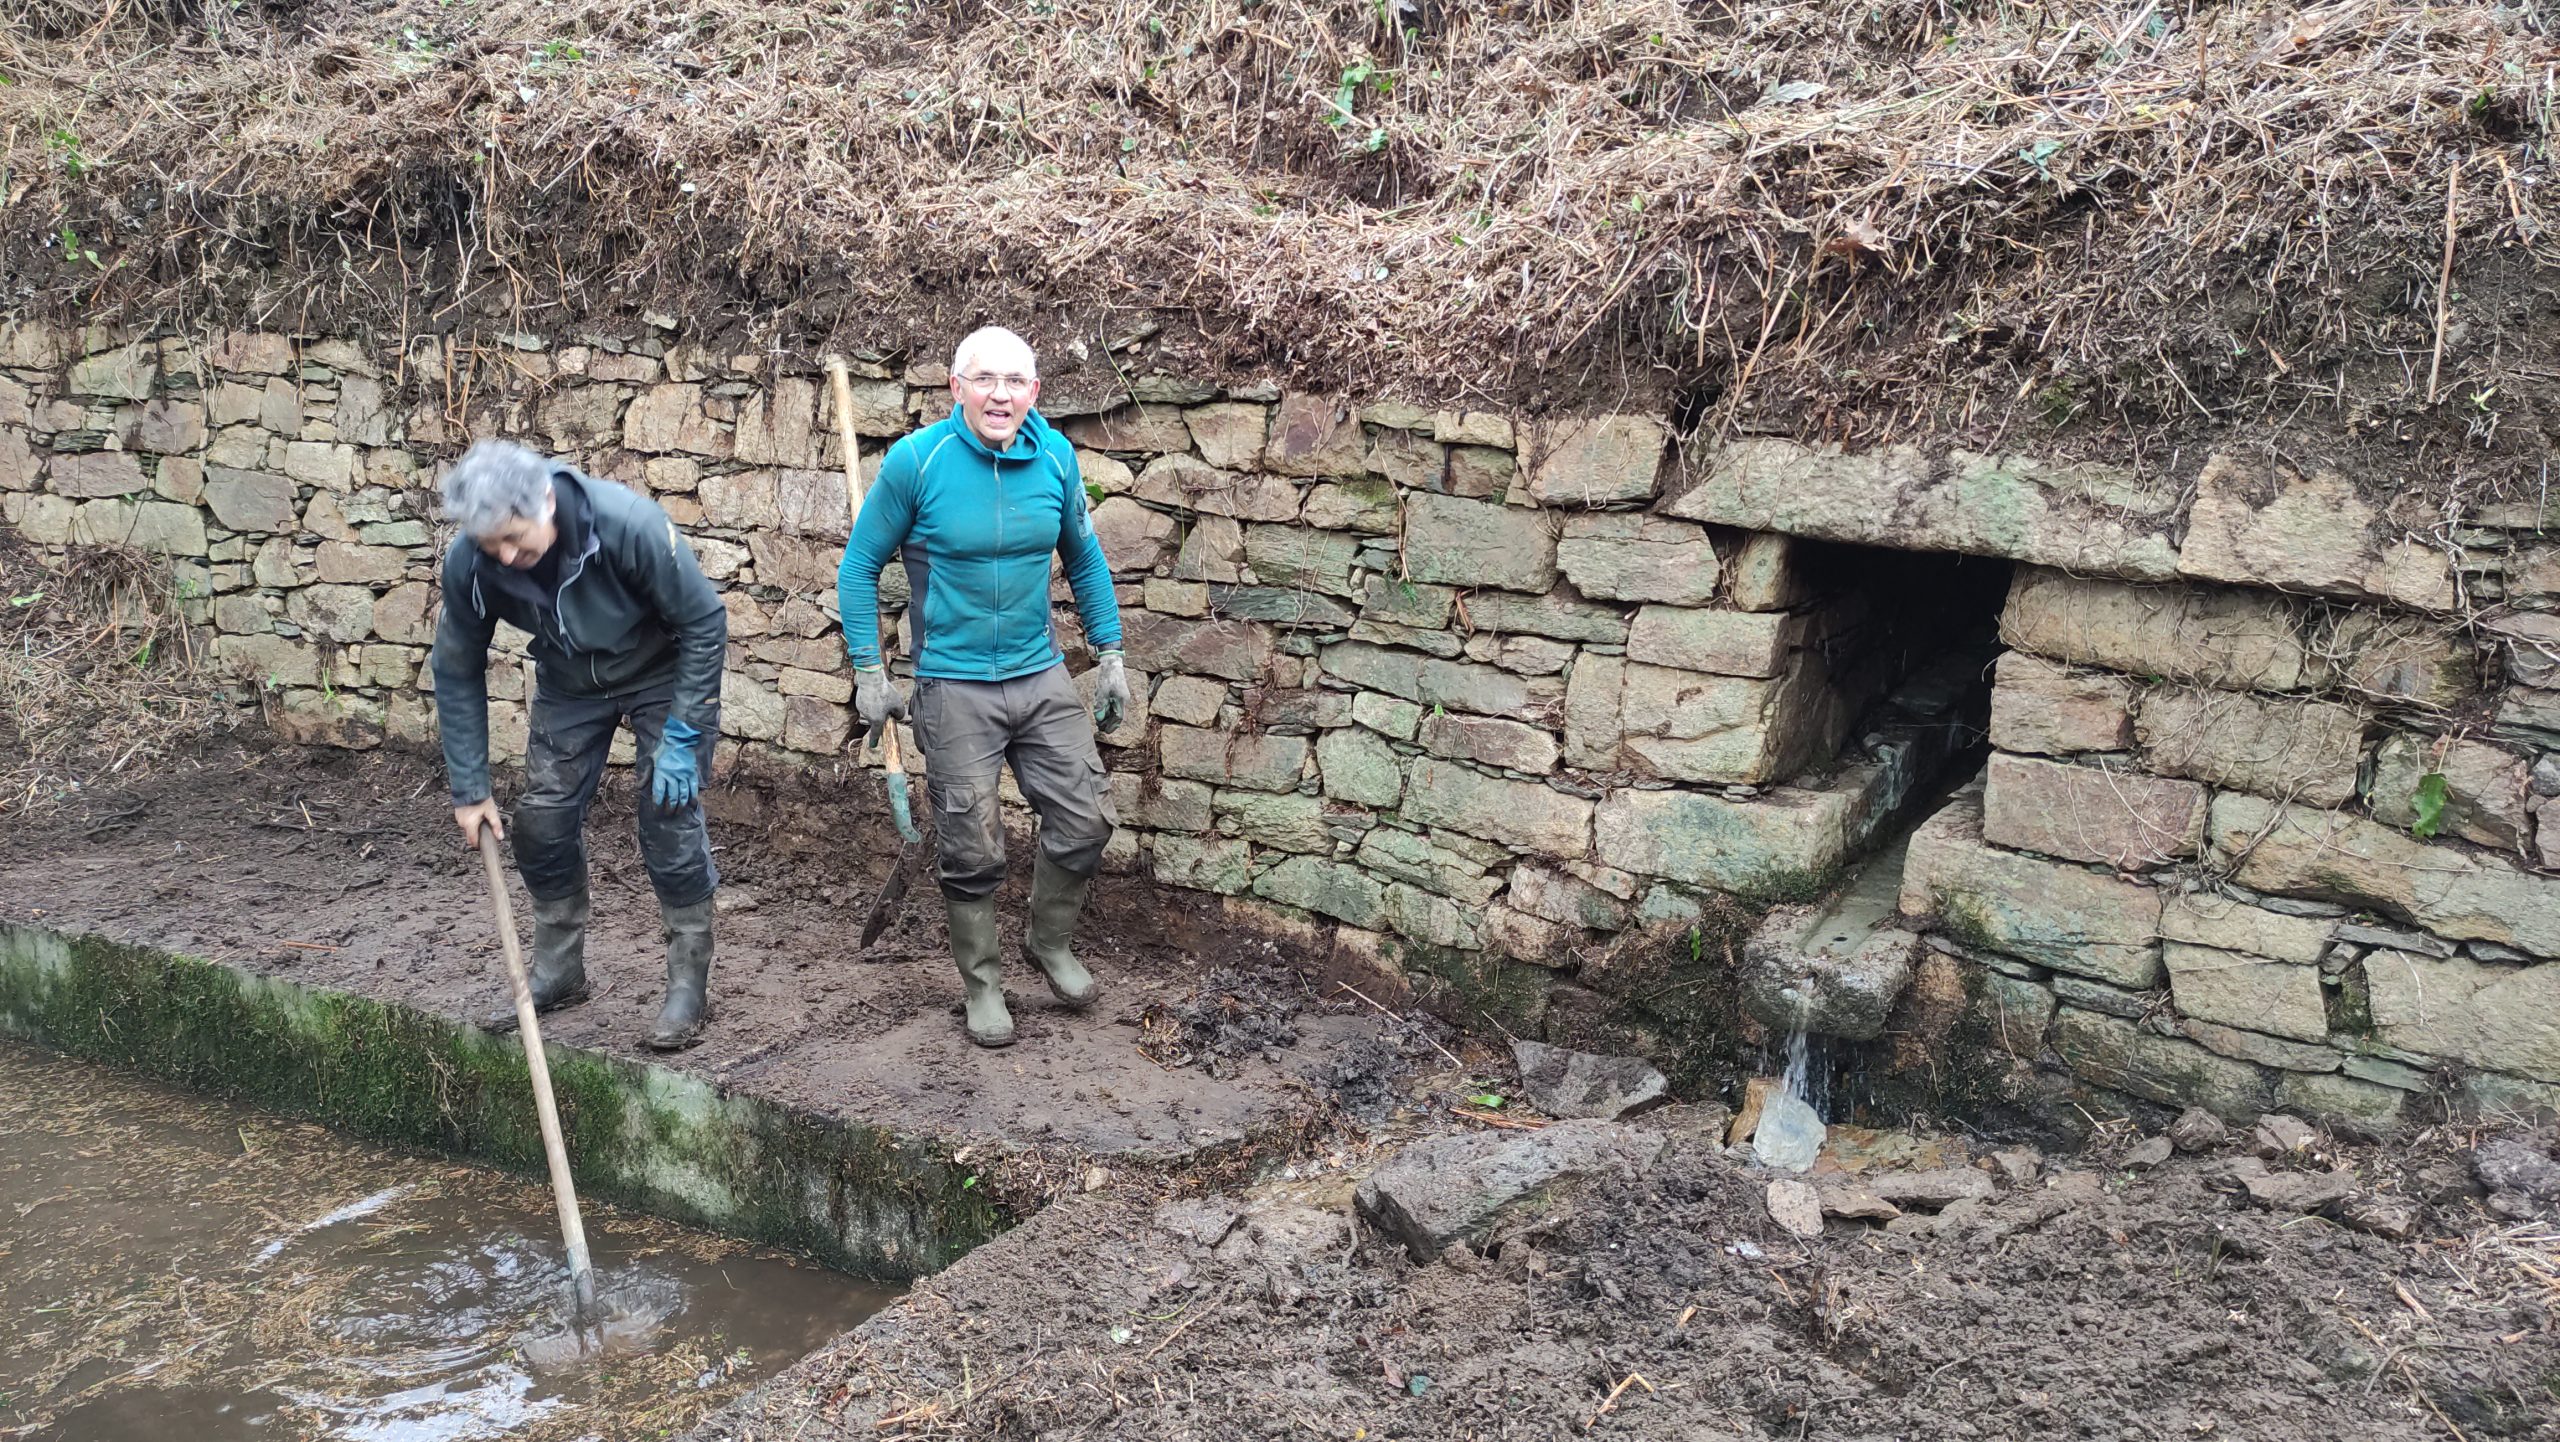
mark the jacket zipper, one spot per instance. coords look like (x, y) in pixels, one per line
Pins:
(995, 622)
(560, 620)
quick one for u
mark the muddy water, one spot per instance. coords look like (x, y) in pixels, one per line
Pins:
(177, 1268)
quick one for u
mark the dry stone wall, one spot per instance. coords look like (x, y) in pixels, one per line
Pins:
(2260, 851)
(1475, 693)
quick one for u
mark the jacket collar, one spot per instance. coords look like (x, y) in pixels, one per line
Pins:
(1027, 442)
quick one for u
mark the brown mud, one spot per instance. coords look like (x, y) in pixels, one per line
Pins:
(2097, 1300)
(345, 870)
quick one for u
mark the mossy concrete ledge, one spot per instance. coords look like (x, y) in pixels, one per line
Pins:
(857, 1197)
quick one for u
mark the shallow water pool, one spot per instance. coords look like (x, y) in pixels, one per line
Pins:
(172, 1267)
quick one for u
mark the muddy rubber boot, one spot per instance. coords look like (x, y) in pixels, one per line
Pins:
(688, 1003)
(1057, 899)
(557, 973)
(973, 949)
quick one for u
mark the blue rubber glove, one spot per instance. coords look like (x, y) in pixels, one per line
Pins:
(675, 773)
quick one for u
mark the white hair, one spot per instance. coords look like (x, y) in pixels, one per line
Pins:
(991, 335)
(496, 482)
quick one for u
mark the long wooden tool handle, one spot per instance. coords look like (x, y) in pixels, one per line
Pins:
(573, 1229)
(840, 384)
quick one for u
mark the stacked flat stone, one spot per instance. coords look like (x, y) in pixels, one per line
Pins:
(1462, 691)
(2204, 796)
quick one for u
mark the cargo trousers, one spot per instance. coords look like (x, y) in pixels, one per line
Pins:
(969, 731)
(569, 740)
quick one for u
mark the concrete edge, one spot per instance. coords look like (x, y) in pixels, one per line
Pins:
(859, 1198)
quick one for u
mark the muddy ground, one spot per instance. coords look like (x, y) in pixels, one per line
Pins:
(2096, 1299)
(345, 869)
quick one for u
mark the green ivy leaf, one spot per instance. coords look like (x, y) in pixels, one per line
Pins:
(2428, 804)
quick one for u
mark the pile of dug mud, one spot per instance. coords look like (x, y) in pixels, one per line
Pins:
(2270, 1283)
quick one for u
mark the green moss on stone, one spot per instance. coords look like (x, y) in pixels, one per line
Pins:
(1788, 887)
(658, 1140)
(2350, 1004)
(1469, 987)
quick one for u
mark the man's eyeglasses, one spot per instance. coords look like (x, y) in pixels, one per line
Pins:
(994, 385)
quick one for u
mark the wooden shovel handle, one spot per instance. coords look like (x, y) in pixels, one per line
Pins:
(840, 385)
(546, 1110)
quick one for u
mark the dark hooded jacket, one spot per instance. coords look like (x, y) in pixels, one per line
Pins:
(628, 609)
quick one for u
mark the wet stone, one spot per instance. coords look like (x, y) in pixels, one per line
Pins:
(1565, 1083)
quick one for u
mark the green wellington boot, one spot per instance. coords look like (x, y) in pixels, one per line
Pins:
(973, 947)
(557, 975)
(1057, 899)
(688, 1003)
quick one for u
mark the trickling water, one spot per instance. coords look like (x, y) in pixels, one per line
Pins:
(175, 1267)
(1789, 1134)
(1806, 1079)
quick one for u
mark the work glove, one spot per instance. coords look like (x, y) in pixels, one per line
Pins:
(1110, 692)
(675, 773)
(875, 700)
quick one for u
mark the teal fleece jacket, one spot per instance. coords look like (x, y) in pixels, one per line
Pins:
(976, 528)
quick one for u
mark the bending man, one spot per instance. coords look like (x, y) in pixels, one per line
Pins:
(625, 630)
(976, 504)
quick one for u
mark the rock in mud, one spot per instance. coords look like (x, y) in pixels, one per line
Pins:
(2292, 1191)
(2515, 1206)
(1796, 1207)
(1852, 1200)
(1940, 1187)
(1755, 1097)
(2018, 1165)
(1451, 1188)
(2395, 1218)
(1205, 1222)
(2197, 1130)
(2148, 1153)
(1789, 1135)
(1286, 1237)
(1565, 1083)
(2508, 1164)
(2278, 1135)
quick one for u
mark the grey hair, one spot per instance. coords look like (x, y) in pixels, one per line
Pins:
(496, 482)
(984, 336)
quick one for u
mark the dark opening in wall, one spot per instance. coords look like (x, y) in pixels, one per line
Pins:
(1909, 655)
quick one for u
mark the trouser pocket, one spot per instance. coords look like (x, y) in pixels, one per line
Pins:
(968, 839)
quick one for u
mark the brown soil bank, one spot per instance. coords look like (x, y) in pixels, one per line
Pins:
(1866, 222)
(2098, 1299)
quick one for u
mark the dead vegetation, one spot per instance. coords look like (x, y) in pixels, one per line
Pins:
(2091, 1293)
(99, 674)
(2097, 218)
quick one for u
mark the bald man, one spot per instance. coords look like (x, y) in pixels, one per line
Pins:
(976, 504)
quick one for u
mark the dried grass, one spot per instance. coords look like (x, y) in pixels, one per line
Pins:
(2094, 216)
(99, 674)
